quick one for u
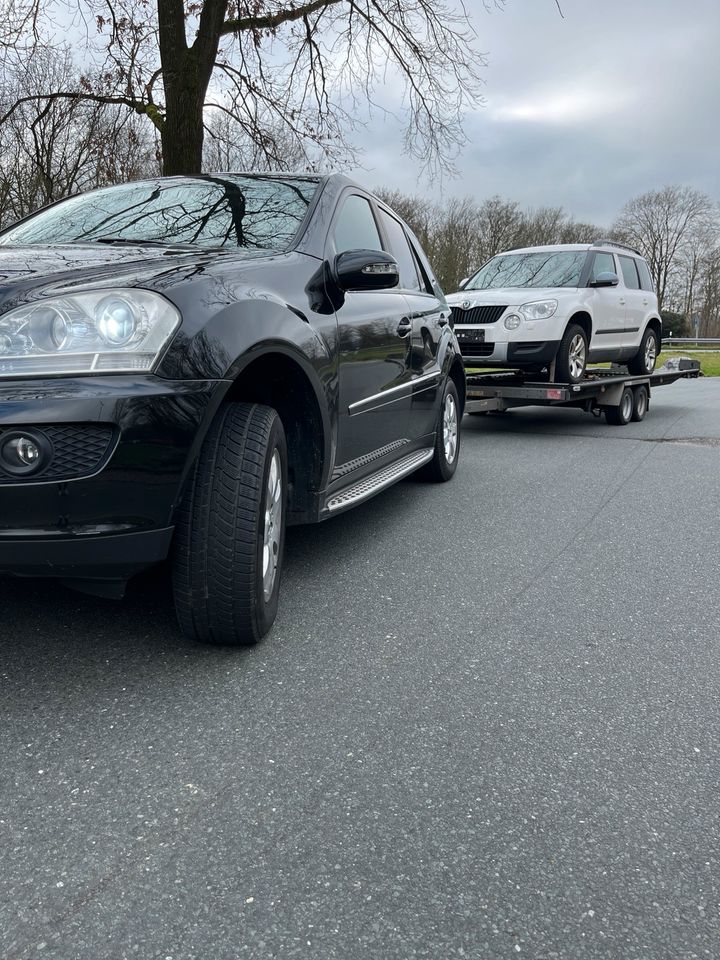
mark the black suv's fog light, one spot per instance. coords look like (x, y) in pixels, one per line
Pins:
(24, 453)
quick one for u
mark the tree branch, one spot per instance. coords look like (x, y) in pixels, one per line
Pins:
(272, 21)
(147, 109)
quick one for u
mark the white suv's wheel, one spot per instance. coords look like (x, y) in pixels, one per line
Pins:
(645, 359)
(571, 357)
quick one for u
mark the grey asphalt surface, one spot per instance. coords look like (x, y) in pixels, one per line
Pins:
(485, 725)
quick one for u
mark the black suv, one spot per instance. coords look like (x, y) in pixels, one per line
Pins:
(187, 364)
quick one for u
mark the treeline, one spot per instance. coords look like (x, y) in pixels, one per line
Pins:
(459, 235)
(677, 229)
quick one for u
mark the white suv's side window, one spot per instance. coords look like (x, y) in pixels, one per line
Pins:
(603, 263)
(645, 278)
(630, 274)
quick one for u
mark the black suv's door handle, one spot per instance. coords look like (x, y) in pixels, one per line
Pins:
(404, 327)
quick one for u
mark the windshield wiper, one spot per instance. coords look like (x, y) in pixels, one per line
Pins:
(126, 241)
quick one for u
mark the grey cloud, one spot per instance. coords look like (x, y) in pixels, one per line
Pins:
(583, 112)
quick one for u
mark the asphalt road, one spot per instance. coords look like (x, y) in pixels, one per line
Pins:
(485, 725)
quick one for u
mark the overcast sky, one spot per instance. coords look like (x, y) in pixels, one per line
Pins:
(584, 112)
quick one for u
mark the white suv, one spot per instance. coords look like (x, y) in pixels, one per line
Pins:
(566, 304)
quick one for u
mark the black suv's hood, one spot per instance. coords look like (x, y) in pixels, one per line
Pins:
(23, 270)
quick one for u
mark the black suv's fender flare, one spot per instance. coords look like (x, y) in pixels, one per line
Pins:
(451, 363)
(242, 334)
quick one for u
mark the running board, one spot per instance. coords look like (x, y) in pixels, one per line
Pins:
(378, 481)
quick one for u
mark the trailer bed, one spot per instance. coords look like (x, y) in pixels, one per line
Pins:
(600, 391)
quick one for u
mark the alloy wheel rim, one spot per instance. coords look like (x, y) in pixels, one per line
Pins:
(627, 406)
(650, 353)
(450, 428)
(577, 356)
(273, 525)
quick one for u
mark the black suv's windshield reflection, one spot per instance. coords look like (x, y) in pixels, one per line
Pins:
(221, 211)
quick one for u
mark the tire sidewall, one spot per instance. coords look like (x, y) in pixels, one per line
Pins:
(627, 405)
(643, 348)
(445, 468)
(563, 358)
(266, 610)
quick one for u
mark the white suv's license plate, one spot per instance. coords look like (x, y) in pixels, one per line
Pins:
(476, 336)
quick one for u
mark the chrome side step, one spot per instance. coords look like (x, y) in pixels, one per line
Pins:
(378, 481)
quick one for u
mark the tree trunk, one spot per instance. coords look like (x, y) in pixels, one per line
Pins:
(183, 134)
(186, 72)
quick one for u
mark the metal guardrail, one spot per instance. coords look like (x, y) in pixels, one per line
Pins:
(701, 343)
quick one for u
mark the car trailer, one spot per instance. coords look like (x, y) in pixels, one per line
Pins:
(622, 397)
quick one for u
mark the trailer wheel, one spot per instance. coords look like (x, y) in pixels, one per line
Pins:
(571, 358)
(230, 529)
(622, 414)
(640, 403)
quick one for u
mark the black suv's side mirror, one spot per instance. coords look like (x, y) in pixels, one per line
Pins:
(605, 279)
(366, 270)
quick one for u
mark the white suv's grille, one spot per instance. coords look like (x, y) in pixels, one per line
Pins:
(484, 314)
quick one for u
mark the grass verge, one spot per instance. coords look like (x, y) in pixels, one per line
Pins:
(709, 362)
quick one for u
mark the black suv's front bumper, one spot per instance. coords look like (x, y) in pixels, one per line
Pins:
(119, 449)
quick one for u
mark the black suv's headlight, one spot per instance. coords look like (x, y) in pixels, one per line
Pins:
(103, 331)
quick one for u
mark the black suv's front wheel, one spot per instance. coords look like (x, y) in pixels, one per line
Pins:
(230, 531)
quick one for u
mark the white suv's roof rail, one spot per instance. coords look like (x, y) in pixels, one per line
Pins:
(616, 243)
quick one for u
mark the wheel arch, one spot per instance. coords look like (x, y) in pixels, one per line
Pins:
(583, 319)
(655, 323)
(457, 375)
(277, 378)
(452, 366)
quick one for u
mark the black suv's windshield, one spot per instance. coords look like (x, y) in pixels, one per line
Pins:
(530, 270)
(209, 211)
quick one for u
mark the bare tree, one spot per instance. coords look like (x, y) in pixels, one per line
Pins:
(709, 297)
(225, 150)
(308, 67)
(462, 234)
(53, 149)
(661, 224)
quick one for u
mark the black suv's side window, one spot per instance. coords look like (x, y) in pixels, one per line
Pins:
(602, 263)
(645, 278)
(630, 274)
(400, 249)
(355, 227)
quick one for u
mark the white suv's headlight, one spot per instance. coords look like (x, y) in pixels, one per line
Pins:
(539, 309)
(91, 332)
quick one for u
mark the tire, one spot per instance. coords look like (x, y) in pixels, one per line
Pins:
(641, 403)
(443, 465)
(230, 529)
(571, 359)
(622, 414)
(645, 359)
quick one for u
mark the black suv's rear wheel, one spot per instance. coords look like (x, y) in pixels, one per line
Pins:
(645, 359)
(447, 438)
(230, 530)
(571, 358)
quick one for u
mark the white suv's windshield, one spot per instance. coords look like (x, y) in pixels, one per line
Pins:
(530, 270)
